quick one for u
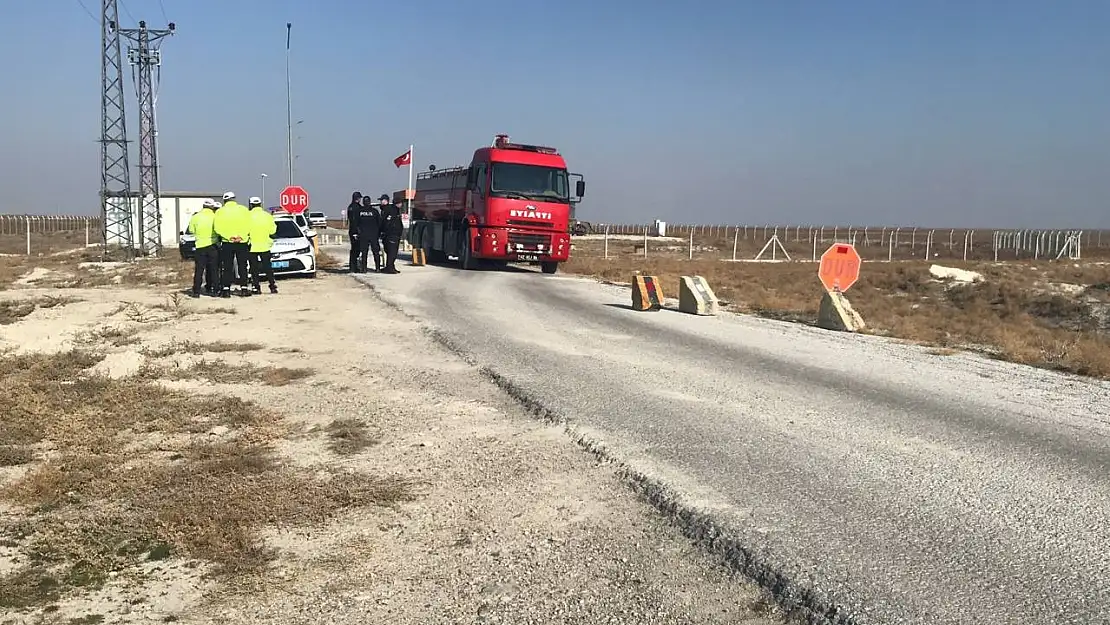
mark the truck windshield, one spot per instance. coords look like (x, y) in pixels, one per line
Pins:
(530, 182)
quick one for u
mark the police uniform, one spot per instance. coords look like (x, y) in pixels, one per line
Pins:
(263, 228)
(233, 227)
(352, 230)
(206, 259)
(392, 229)
(368, 224)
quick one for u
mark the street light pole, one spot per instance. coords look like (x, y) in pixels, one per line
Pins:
(289, 100)
(263, 190)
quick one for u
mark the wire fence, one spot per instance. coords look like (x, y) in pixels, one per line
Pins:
(34, 234)
(804, 242)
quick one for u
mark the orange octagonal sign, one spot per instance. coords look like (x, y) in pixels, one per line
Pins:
(839, 268)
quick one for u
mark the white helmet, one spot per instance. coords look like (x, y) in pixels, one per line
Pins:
(210, 203)
(256, 201)
(229, 195)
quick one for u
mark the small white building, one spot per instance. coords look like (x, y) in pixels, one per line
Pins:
(176, 208)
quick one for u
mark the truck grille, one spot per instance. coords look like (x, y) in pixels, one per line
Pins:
(530, 224)
(529, 241)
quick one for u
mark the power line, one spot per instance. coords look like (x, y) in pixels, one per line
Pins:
(124, 7)
(87, 11)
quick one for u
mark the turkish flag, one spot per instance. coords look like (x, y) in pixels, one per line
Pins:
(404, 159)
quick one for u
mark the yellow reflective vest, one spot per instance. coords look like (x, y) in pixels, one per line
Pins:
(262, 228)
(202, 225)
(233, 221)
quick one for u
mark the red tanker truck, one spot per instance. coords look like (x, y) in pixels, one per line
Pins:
(512, 203)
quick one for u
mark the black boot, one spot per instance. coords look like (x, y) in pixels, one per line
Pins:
(273, 288)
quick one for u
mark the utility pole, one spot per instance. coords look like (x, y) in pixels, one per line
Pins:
(115, 172)
(289, 100)
(145, 54)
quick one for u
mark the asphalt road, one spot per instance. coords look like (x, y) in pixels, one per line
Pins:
(903, 486)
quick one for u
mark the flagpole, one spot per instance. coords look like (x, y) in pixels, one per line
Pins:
(408, 191)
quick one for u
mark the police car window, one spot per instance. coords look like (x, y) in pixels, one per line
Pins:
(287, 230)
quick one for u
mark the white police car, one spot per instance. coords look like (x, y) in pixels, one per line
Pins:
(292, 253)
(187, 245)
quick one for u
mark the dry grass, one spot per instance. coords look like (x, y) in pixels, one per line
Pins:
(325, 261)
(221, 372)
(349, 436)
(82, 268)
(1049, 314)
(12, 311)
(116, 336)
(175, 305)
(125, 471)
(191, 347)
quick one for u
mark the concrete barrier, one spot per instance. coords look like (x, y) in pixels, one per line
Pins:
(646, 294)
(695, 296)
(836, 313)
(419, 258)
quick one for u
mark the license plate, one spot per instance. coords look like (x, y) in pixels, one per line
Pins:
(527, 257)
(280, 264)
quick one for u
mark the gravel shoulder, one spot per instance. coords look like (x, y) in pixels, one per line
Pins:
(511, 523)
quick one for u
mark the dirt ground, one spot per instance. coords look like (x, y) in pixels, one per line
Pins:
(1053, 314)
(309, 456)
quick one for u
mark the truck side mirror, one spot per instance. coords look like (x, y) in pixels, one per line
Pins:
(580, 188)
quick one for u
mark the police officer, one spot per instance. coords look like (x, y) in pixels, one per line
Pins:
(233, 225)
(392, 229)
(352, 230)
(205, 260)
(368, 227)
(263, 228)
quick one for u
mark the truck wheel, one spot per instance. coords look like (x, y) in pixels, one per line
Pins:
(466, 261)
(549, 266)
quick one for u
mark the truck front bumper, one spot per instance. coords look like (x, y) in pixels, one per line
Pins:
(520, 245)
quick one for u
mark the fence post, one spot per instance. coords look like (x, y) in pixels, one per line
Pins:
(606, 242)
(28, 236)
(735, 241)
(645, 241)
(691, 245)
(87, 220)
(890, 249)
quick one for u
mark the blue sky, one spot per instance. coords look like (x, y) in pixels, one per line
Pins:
(912, 112)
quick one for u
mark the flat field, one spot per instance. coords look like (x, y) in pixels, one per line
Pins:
(1047, 313)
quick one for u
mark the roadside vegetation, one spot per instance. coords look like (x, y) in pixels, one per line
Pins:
(117, 472)
(1053, 314)
(102, 476)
